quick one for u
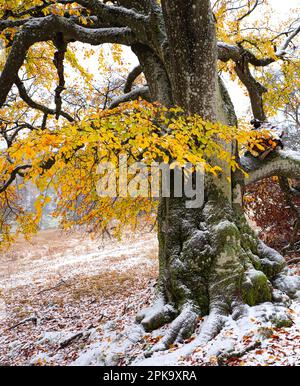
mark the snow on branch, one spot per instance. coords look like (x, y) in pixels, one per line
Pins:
(237, 53)
(282, 50)
(117, 15)
(140, 92)
(285, 163)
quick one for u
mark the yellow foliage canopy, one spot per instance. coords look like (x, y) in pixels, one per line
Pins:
(65, 159)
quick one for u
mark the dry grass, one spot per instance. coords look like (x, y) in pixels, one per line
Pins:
(49, 242)
(113, 283)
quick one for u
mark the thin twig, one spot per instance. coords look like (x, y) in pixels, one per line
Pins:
(32, 319)
(237, 354)
(59, 284)
(296, 260)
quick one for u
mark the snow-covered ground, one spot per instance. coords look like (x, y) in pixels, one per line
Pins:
(70, 284)
(77, 299)
(54, 255)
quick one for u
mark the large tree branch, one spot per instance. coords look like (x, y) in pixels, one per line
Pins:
(37, 106)
(131, 78)
(143, 17)
(45, 29)
(139, 92)
(12, 23)
(283, 163)
(58, 61)
(237, 53)
(117, 15)
(242, 59)
(13, 176)
(254, 88)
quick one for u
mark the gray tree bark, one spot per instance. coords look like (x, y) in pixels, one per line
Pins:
(210, 261)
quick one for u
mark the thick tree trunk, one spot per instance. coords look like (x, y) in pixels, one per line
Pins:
(210, 261)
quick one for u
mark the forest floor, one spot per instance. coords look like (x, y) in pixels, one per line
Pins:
(69, 300)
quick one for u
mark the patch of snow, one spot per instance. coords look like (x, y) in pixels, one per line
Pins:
(111, 348)
(54, 338)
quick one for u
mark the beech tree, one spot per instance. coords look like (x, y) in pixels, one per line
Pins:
(210, 261)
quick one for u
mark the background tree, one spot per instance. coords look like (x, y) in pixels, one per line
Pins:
(210, 260)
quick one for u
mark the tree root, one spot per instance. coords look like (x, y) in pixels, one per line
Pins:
(212, 325)
(236, 274)
(181, 328)
(156, 316)
(288, 284)
(184, 325)
(225, 322)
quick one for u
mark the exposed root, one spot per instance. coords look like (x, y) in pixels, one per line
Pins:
(229, 331)
(156, 316)
(265, 314)
(184, 325)
(213, 261)
(212, 325)
(272, 262)
(288, 284)
(281, 276)
(181, 328)
(239, 310)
